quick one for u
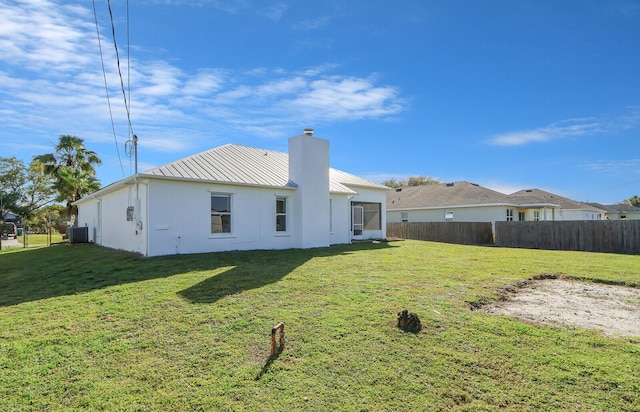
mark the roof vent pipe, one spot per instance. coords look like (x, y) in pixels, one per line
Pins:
(308, 132)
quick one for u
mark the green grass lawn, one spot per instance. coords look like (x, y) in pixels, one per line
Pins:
(40, 239)
(83, 327)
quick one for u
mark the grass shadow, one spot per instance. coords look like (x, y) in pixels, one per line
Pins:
(267, 365)
(259, 268)
(33, 274)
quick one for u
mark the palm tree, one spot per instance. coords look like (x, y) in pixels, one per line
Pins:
(72, 167)
(633, 201)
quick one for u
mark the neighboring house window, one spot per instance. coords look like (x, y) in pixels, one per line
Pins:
(448, 216)
(281, 214)
(220, 213)
(372, 215)
(509, 215)
(521, 216)
(405, 217)
(536, 215)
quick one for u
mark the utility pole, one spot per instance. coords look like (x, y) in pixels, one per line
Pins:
(135, 153)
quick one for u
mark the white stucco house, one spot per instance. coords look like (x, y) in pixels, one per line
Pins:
(237, 198)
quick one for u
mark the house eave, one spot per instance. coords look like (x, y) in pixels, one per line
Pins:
(146, 177)
(533, 205)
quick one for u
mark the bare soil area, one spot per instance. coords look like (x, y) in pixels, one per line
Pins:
(615, 310)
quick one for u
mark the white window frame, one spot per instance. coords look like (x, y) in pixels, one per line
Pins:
(536, 215)
(284, 199)
(229, 213)
(509, 215)
(404, 217)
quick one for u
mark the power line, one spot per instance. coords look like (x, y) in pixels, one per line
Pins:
(129, 82)
(614, 187)
(106, 87)
(115, 45)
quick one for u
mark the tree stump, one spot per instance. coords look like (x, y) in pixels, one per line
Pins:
(409, 321)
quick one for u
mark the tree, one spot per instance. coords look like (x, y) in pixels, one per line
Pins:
(72, 167)
(633, 201)
(49, 216)
(22, 190)
(412, 181)
(12, 179)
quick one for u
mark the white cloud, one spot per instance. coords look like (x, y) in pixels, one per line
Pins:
(629, 166)
(51, 82)
(313, 24)
(276, 11)
(204, 82)
(628, 119)
(564, 128)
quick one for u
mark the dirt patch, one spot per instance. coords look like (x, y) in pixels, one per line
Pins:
(613, 309)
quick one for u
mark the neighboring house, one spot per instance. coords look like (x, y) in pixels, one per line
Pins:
(237, 198)
(462, 202)
(567, 209)
(620, 211)
(13, 218)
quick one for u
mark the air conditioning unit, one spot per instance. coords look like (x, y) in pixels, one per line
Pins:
(78, 235)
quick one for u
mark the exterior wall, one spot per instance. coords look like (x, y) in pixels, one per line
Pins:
(372, 196)
(468, 214)
(106, 218)
(460, 214)
(180, 218)
(579, 214)
(627, 216)
(340, 228)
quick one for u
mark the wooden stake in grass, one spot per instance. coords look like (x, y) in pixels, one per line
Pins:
(276, 349)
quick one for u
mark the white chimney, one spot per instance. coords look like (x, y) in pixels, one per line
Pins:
(309, 170)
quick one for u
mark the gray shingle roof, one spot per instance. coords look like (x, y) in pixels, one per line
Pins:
(444, 194)
(536, 195)
(466, 194)
(617, 208)
(235, 164)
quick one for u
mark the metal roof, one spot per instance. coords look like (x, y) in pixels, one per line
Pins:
(235, 164)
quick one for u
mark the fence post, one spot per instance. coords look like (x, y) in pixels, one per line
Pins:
(274, 348)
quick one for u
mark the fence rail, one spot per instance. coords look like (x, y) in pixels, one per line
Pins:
(613, 236)
(466, 233)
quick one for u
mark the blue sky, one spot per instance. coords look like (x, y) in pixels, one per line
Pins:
(511, 94)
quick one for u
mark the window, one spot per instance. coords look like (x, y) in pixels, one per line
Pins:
(509, 215)
(520, 216)
(220, 213)
(536, 215)
(281, 214)
(405, 217)
(448, 216)
(371, 218)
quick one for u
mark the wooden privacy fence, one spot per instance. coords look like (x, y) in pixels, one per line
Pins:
(614, 236)
(466, 233)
